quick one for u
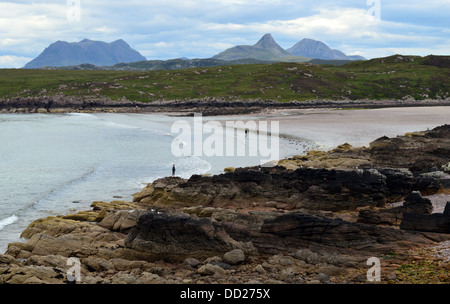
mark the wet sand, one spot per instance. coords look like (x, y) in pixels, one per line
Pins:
(329, 128)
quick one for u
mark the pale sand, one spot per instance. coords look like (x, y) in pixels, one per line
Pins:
(330, 128)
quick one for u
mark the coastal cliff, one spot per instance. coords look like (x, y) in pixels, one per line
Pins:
(315, 218)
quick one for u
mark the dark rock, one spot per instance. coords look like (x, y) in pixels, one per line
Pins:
(391, 216)
(416, 152)
(415, 203)
(438, 222)
(222, 265)
(447, 210)
(297, 230)
(399, 181)
(176, 237)
(322, 189)
(433, 181)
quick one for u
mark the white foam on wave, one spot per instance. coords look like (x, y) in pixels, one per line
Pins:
(193, 165)
(8, 221)
(81, 115)
(127, 126)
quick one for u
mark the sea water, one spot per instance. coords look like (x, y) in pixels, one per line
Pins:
(55, 164)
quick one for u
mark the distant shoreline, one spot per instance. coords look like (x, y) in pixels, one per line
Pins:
(208, 106)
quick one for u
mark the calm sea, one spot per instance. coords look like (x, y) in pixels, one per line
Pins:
(58, 164)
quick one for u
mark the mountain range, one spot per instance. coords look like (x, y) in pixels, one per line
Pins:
(61, 53)
(265, 49)
(268, 49)
(319, 50)
(108, 55)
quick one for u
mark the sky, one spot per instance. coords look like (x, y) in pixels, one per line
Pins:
(167, 29)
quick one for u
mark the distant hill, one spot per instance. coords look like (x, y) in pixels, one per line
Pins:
(157, 65)
(398, 78)
(265, 49)
(61, 53)
(319, 50)
(182, 63)
(330, 62)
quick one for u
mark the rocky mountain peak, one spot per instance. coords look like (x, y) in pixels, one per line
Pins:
(86, 51)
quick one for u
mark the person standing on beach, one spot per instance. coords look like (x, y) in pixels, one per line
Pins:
(173, 170)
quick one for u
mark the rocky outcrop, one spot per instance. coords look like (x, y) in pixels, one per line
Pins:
(414, 203)
(208, 106)
(297, 230)
(177, 237)
(419, 152)
(291, 190)
(303, 188)
(270, 225)
(438, 222)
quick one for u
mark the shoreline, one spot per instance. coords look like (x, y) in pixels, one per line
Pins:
(45, 233)
(207, 106)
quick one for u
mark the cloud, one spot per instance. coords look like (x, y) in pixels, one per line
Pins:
(13, 62)
(347, 29)
(164, 29)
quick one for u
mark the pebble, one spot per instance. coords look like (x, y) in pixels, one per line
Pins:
(191, 262)
(210, 269)
(323, 278)
(260, 269)
(391, 277)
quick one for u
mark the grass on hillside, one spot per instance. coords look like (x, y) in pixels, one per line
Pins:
(384, 78)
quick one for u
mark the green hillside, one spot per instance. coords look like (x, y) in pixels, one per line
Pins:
(393, 77)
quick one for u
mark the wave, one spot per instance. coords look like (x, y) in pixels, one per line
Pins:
(108, 122)
(159, 132)
(125, 126)
(81, 114)
(8, 221)
(193, 165)
(65, 185)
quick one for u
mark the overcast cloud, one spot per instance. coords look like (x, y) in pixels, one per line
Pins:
(165, 29)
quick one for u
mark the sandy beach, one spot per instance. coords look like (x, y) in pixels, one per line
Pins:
(329, 128)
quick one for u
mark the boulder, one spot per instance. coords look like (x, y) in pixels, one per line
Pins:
(415, 203)
(234, 257)
(34, 275)
(210, 269)
(122, 221)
